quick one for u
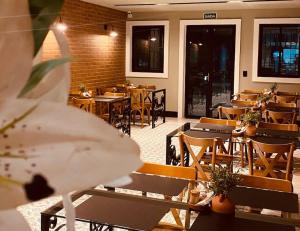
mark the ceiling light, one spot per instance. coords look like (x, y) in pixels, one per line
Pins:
(235, 1)
(153, 39)
(200, 44)
(162, 4)
(61, 26)
(113, 34)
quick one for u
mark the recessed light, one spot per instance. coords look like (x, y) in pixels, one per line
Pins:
(235, 1)
(153, 39)
(162, 4)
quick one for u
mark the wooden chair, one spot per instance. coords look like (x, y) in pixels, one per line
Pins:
(231, 113)
(115, 94)
(247, 91)
(285, 99)
(243, 103)
(271, 160)
(282, 105)
(287, 93)
(280, 127)
(138, 105)
(187, 173)
(84, 104)
(219, 154)
(102, 90)
(151, 87)
(218, 121)
(248, 97)
(266, 183)
(280, 117)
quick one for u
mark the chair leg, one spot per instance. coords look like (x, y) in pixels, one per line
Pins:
(142, 117)
(148, 112)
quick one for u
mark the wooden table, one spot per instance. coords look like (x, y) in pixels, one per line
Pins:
(204, 130)
(119, 121)
(106, 209)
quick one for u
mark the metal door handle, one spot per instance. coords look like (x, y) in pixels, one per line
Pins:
(206, 77)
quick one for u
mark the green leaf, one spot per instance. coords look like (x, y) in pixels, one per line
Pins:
(43, 14)
(39, 71)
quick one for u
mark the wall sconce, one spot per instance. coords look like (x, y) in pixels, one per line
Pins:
(61, 25)
(110, 28)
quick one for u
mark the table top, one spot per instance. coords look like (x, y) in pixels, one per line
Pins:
(213, 127)
(156, 184)
(135, 215)
(217, 222)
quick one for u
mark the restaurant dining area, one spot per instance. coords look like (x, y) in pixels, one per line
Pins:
(150, 115)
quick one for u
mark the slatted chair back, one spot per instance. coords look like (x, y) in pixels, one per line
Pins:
(84, 104)
(281, 117)
(287, 93)
(150, 87)
(218, 121)
(231, 113)
(280, 127)
(248, 97)
(243, 103)
(137, 98)
(266, 183)
(114, 94)
(271, 160)
(188, 173)
(282, 105)
(210, 151)
(285, 99)
(247, 91)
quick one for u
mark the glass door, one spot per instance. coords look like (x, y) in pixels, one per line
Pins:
(210, 52)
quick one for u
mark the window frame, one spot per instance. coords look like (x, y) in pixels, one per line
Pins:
(256, 46)
(129, 72)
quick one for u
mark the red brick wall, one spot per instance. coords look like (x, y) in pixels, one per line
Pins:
(97, 59)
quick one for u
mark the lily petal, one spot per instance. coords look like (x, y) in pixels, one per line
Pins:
(71, 149)
(15, 23)
(13, 220)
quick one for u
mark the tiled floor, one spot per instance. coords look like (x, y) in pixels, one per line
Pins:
(152, 143)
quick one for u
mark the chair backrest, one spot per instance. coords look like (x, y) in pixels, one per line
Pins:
(248, 96)
(288, 93)
(243, 103)
(231, 113)
(281, 127)
(114, 94)
(281, 117)
(281, 105)
(202, 145)
(102, 90)
(247, 91)
(137, 98)
(285, 99)
(272, 160)
(188, 173)
(84, 104)
(266, 183)
(218, 121)
(152, 87)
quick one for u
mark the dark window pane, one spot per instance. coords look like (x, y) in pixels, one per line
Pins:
(279, 50)
(148, 49)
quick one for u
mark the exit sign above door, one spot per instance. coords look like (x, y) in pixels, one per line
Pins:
(210, 15)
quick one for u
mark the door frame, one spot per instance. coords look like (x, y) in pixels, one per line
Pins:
(182, 55)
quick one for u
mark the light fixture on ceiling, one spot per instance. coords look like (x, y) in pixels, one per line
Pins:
(60, 25)
(162, 4)
(153, 39)
(129, 14)
(235, 1)
(112, 32)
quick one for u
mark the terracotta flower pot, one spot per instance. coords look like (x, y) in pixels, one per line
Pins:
(222, 204)
(250, 130)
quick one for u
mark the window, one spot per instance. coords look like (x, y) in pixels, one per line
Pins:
(276, 50)
(279, 50)
(147, 49)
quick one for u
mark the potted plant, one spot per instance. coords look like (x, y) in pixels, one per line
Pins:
(263, 99)
(84, 91)
(221, 183)
(250, 120)
(274, 87)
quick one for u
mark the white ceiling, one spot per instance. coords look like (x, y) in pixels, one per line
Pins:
(164, 5)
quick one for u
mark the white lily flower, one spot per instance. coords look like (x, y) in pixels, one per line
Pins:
(46, 147)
